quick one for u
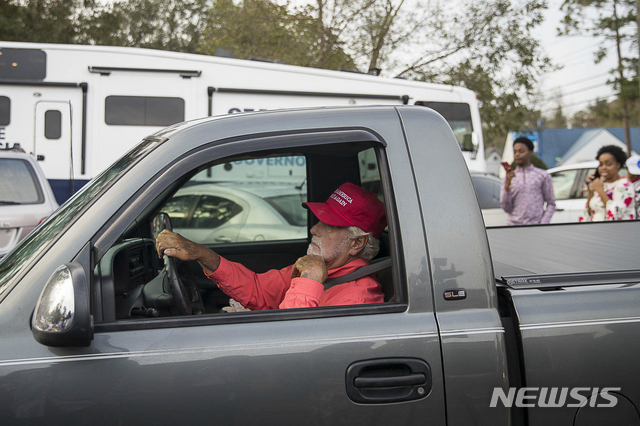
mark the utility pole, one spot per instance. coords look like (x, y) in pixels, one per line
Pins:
(625, 110)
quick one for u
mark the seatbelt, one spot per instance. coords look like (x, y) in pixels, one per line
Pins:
(375, 266)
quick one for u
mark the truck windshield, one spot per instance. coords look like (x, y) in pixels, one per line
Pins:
(458, 115)
(34, 243)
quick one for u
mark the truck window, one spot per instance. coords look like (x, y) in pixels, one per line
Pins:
(143, 110)
(458, 115)
(246, 208)
(5, 111)
(23, 64)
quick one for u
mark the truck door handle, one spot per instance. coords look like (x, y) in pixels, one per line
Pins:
(559, 210)
(384, 381)
(223, 239)
(388, 382)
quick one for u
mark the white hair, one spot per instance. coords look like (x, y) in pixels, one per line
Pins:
(370, 249)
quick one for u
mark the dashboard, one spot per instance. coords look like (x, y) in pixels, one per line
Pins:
(122, 272)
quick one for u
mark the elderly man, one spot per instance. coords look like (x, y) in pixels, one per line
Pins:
(345, 239)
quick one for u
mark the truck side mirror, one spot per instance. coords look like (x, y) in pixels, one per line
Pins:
(470, 142)
(475, 140)
(467, 144)
(62, 316)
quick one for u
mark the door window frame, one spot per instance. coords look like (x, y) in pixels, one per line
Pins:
(182, 166)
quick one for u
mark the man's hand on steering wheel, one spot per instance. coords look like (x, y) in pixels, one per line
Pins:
(175, 245)
(172, 246)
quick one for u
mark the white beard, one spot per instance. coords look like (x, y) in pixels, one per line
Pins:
(314, 250)
(321, 251)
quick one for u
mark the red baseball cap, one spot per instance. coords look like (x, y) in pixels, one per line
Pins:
(350, 205)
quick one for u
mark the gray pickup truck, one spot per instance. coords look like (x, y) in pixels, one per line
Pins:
(542, 330)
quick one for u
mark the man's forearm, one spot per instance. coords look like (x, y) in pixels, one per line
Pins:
(209, 260)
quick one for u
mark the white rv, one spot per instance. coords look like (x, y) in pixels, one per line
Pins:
(79, 108)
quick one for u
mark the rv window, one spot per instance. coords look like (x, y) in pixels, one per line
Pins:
(5, 111)
(143, 111)
(23, 64)
(52, 124)
(458, 115)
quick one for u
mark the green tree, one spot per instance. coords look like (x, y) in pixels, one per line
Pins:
(11, 15)
(614, 20)
(265, 30)
(371, 30)
(604, 114)
(176, 25)
(333, 21)
(383, 27)
(45, 21)
(558, 120)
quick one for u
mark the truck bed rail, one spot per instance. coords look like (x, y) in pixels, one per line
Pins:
(551, 281)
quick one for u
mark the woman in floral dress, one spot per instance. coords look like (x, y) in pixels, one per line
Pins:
(610, 197)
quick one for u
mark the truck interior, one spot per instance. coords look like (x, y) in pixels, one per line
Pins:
(222, 205)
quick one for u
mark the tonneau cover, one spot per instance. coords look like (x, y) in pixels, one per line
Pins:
(530, 251)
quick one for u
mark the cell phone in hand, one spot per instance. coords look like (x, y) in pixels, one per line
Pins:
(506, 166)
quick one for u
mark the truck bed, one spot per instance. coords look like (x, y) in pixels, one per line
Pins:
(540, 255)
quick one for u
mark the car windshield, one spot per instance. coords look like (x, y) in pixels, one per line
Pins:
(35, 242)
(19, 183)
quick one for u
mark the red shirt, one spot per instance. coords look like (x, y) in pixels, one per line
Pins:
(275, 288)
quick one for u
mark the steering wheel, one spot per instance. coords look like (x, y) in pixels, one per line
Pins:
(181, 298)
(178, 290)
